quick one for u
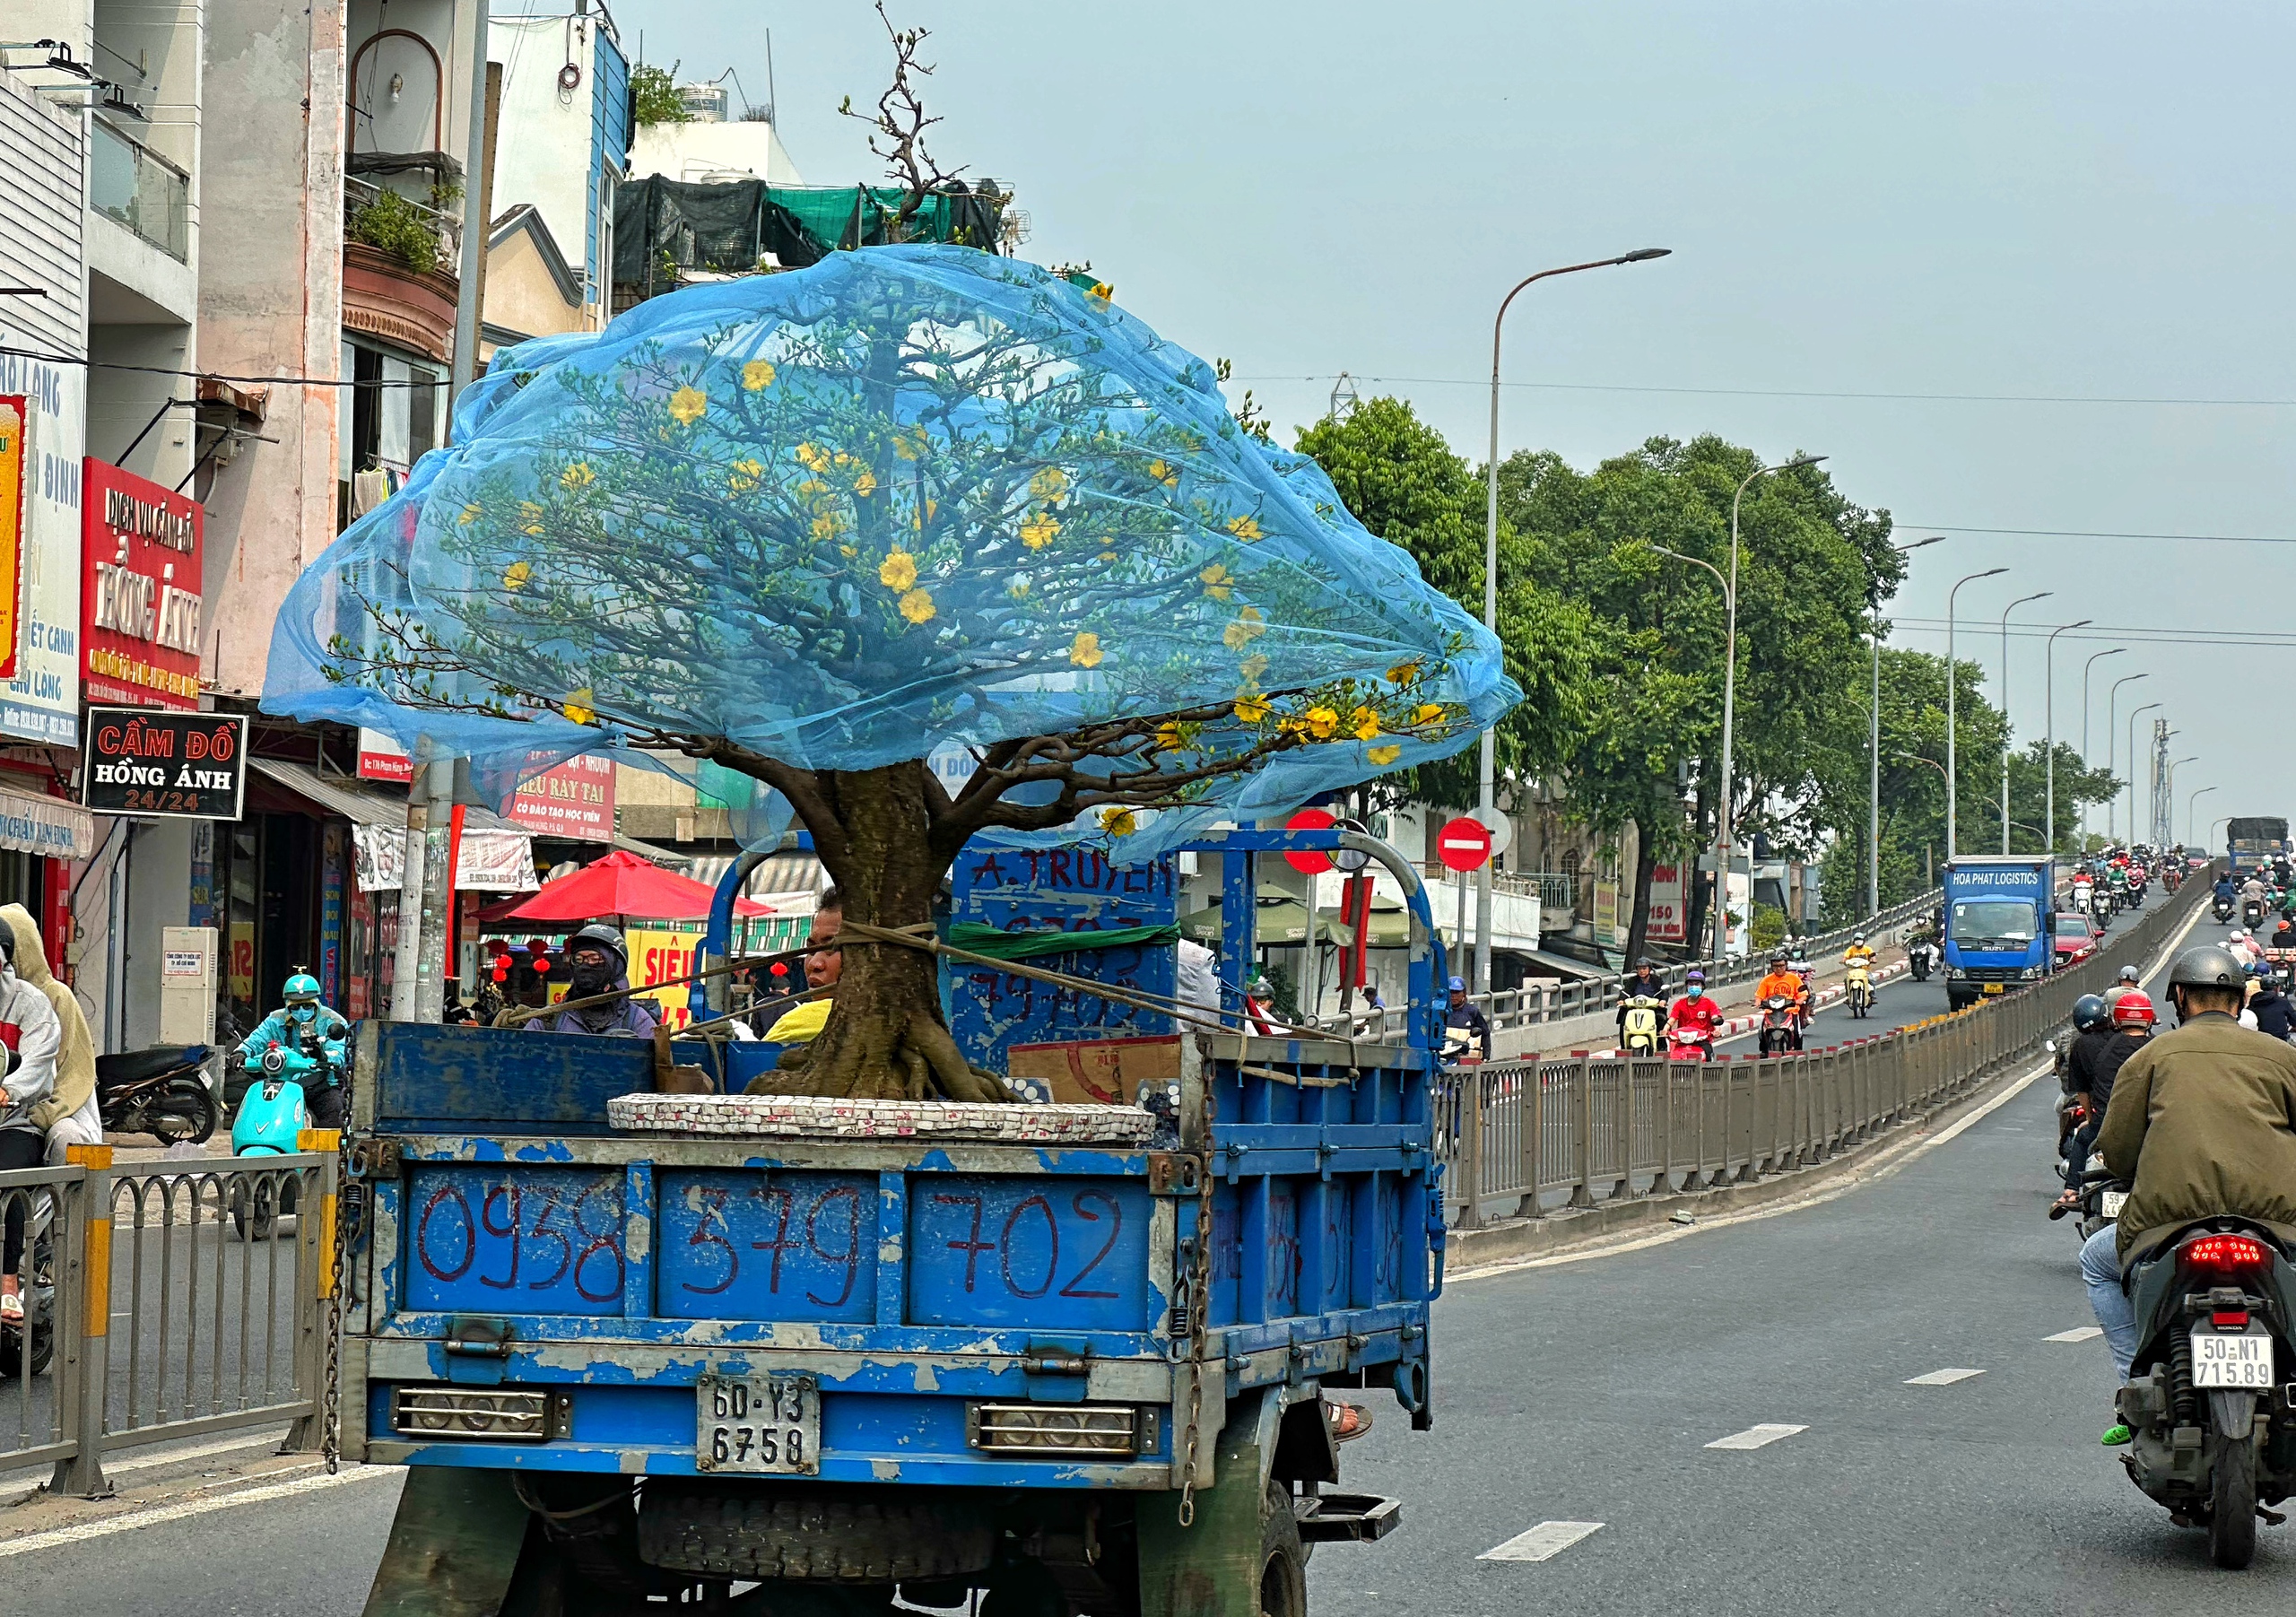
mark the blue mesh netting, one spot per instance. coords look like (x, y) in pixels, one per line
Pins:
(911, 501)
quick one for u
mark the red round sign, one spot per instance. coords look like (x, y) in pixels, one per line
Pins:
(1463, 843)
(1309, 820)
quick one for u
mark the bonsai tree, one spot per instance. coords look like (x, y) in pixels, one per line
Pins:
(914, 504)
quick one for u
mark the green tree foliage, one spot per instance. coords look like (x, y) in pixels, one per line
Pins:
(1399, 478)
(655, 93)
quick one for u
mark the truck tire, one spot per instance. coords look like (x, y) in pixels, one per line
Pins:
(815, 1533)
(1282, 1557)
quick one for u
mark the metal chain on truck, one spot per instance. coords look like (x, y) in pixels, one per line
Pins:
(350, 1200)
(1200, 1299)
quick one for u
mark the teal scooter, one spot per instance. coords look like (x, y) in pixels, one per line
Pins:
(272, 1117)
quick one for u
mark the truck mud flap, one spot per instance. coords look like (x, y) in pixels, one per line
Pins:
(1331, 1519)
(454, 1545)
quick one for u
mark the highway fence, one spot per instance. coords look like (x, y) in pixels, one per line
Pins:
(164, 1300)
(1530, 1136)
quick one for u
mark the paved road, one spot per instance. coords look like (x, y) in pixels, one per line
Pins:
(1589, 1392)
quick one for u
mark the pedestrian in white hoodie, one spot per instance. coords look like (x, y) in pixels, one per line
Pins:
(30, 1034)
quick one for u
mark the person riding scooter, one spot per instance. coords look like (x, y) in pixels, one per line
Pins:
(1641, 1001)
(2085, 1092)
(303, 1020)
(2202, 1124)
(1693, 1020)
(1783, 981)
(29, 1035)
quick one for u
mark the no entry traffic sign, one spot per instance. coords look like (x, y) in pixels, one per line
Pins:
(1463, 843)
(1309, 820)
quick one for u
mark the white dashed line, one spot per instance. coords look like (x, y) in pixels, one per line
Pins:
(1942, 1377)
(1542, 1542)
(2079, 1333)
(1755, 1437)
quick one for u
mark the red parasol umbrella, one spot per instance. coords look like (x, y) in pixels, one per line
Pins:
(620, 885)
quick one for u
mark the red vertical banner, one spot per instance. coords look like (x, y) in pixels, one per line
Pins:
(1355, 910)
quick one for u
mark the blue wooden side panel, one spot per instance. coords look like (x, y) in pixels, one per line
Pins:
(744, 1245)
(501, 1239)
(1062, 889)
(995, 1250)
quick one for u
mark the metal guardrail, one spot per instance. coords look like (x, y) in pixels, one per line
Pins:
(1538, 1002)
(1518, 1133)
(181, 1305)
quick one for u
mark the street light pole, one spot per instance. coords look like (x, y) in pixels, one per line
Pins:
(2087, 762)
(1721, 870)
(2147, 708)
(2170, 834)
(2112, 733)
(1952, 684)
(2191, 804)
(1488, 770)
(2049, 708)
(1874, 752)
(2037, 595)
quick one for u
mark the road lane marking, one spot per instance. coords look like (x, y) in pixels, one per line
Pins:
(1942, 1377)
(2079, 1333)
(110, 1524)
(1542, 1542)
(1756, 1437)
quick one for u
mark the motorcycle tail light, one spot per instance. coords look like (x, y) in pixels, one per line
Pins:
(2230, 1319)
(2226, 1254)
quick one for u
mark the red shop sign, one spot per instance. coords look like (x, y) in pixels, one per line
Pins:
(139, 591)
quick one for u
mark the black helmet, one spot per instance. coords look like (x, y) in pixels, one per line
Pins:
(598, 934)
(2208, 966)
(2089, 1011)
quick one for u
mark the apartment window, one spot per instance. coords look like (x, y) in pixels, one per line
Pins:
(421, 412)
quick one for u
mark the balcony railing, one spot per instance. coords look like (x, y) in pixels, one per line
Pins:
(400, 226)
(130, 183)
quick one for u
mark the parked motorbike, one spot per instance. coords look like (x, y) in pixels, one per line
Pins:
(1645, 1013)
(1781, 1025)
(272, 1117)
(1917, 955)
(1859, 993)
(2213, 1423)
(162, 1091)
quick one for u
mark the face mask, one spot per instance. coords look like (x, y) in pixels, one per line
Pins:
(585, 978)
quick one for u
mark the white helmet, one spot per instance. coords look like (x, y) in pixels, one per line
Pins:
(1858, 939)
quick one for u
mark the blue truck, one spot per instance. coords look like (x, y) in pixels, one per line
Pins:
(2000, 918)
(799, 1375)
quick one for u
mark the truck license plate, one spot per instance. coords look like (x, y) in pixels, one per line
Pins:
(1992, 988)
(767, 1424)
(2230, 1360)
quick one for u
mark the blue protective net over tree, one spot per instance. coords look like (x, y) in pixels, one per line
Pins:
(911, 499)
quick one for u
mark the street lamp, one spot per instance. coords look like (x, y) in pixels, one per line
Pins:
(2191, 804)
(1721, 869)
(2049, 708)
(2147, 708)
(2086, 760)
(2171, 833)
(1486, 797)
(1952, 684)
(2112, 731)
(2037, 595)
(1874, 804)
(2213, 824)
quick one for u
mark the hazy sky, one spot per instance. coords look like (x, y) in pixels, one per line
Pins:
(2080, 202)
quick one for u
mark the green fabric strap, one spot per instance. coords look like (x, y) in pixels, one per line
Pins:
(999, 944)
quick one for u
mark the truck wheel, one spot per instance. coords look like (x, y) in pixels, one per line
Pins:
(1282, 1557)
(821, 1534)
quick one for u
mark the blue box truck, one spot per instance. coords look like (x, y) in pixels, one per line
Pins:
(2000, 910)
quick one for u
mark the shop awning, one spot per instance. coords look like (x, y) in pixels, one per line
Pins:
(1283, 923)
(47, 826)
(497, 856)
(778, 876)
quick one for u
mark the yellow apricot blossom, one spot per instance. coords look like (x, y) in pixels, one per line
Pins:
(812, 458)
(1322, 723)
(1428, 713)
(1085, 650)
(1039, 530)
(743, 475)
(866, 484)
(1365, 724)
(1244, 529)
(917, 606)
(687, 405)
(515, 576)
(471, 513)
(1248, 626)
(1251, 709)
(899, 571)
(1119, 821)
(578, 707)
(1403, 674)
(1165, 473)
(1384, 756)
(1216, 581)
(757, 375)
(1048, 484)
(578, 477)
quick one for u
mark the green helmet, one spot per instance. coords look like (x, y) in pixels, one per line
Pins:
(302, 989)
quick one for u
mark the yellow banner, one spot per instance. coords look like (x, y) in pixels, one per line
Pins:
(13, 413)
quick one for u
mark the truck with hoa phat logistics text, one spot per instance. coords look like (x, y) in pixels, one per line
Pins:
(2000, 917)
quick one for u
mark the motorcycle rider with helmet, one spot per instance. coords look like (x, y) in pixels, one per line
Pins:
(2202, 1124)
(302, 1013)
(2094, 1030)
(1781, 982)
(597, 962)
(1696, 1011)
(1646, 983)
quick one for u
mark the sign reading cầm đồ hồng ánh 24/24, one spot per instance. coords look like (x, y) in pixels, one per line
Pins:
(150, 763)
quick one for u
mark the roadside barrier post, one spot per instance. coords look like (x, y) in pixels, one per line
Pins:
(87, 1363)
(314, 1311)
(1582, 1086)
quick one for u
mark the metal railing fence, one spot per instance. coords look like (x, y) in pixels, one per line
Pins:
(188, 1298)
(1516, 1135)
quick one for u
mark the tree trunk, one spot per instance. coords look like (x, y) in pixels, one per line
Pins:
(1646, 857)
(884, 1038)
